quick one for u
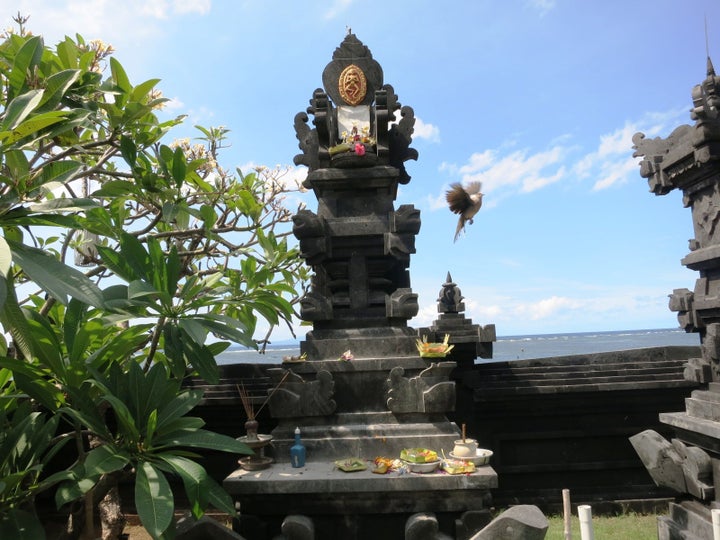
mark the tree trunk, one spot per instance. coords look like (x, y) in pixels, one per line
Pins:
(112, 519)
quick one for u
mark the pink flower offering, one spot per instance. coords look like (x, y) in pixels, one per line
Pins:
(360, 149)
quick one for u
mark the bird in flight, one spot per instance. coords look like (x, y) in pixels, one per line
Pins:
(464, 201)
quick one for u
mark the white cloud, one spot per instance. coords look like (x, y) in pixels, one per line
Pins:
(426, 131)
(543, 6)
(164, 9)
(547, 307)
(617, 172)
(105, 19)
(525, 313)
(516, 171)
(201, 7)
(505, 171)
(338, 7)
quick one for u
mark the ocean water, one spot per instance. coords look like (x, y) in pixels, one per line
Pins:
(518, 347)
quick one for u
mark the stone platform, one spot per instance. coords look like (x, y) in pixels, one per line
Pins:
(350, 505)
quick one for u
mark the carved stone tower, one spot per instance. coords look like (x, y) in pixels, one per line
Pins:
(689, 160)
(357, 243)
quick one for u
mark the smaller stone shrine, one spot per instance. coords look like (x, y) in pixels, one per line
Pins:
(469, 340)
(689, 160)
(360, 390)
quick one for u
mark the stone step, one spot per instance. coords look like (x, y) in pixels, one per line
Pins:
(483, 394)
(552, 377)
(492, 368)
(702, 408)
(350, 437)
(687, 520)
(591, 379)
(706, 395)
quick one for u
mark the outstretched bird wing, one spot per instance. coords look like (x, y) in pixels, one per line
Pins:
(464, 201)
(457, 198)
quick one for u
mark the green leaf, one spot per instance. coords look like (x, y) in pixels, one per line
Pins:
(71, 323)
(46, 346)
(55, 277)
(193, 329)
(124, 416)
(55, 87)
(62, 172)
(67, 52)
(199, 356)
(195, 480)
(224, 327)
(119, 76)
(209, 440)
(137, 258)
(32, 126)
(178, 407)
(33, 382)
(219, 498)
(20, 525)
(141, 90)
(5, 261)
(13, 318)
(128, 150)
(116, 188)
(26, 59)
(19, 108)
(179, 426)
(179, 166)
(72, 490)
(63, 205)
(153, 499)
(102, 460)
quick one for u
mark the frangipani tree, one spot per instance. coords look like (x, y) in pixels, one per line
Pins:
(126, 263)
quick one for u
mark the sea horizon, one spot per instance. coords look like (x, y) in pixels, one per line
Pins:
(512, 347)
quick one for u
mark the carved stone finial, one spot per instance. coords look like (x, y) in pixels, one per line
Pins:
(352, 61)
(450, 299)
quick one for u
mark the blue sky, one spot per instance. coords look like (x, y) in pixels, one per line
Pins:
(538, 99)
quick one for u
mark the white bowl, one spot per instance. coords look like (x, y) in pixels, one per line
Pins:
(427, 467)
(482, 456)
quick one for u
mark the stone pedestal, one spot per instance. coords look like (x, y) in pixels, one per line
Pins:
(364, 408)
(359, 409)
(357, 505)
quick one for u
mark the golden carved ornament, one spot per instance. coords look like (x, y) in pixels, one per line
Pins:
(352, 85)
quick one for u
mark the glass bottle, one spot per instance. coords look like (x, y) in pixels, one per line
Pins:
(297, 451)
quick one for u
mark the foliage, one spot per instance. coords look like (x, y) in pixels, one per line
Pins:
(174, 259)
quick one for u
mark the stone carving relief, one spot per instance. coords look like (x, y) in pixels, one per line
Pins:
(297, 397)
(430, 391)
(674, 465)
(706, 208)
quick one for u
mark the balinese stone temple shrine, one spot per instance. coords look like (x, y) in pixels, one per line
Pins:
(360, 388)
(689, 160)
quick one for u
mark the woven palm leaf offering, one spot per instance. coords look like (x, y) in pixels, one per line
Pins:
(434, 350)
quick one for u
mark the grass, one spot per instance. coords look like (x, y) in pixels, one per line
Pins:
(623, 527)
